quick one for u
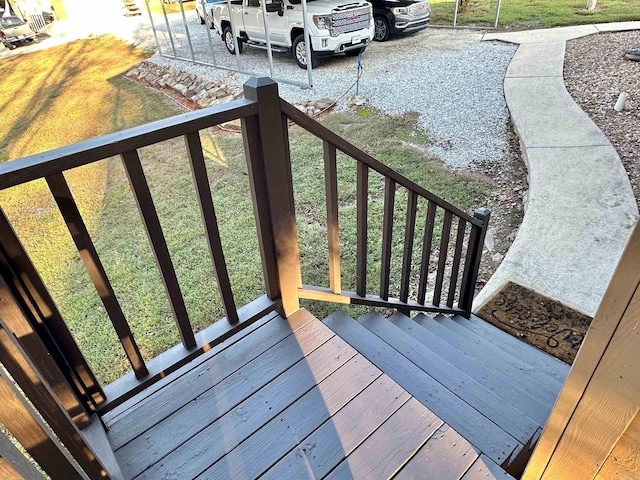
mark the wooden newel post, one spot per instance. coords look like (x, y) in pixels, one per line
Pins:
(472, 263)
(269, 164)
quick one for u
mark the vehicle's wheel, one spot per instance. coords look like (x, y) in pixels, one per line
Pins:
(202, 22)
(355, 52)
(383, 31)
(12, 46)
(227, 38)
(300, 53)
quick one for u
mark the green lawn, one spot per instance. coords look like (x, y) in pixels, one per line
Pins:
(75, 92)
(529, 14)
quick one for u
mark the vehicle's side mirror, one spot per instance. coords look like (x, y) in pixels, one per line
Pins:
(274, 7)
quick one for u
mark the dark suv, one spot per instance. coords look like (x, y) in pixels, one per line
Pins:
(400, 16)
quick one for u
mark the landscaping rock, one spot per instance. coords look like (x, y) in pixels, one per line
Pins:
(204, 93)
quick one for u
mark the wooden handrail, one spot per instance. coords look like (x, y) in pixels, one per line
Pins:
(322, 132)
(55, 334)
(33, 167)
(464, 287)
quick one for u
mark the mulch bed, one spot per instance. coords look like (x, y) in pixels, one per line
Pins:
(537, 320)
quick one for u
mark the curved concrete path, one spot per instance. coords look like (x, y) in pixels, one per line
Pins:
(580, 207)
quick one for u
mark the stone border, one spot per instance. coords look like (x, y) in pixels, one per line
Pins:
(202, 93)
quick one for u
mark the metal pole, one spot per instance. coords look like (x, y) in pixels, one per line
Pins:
(495, 24)
(455, 12)
(208, 28)
(186, 29)
(307, 43)
(233, 31)
(166, 21)
(153, 27)
(266, 35)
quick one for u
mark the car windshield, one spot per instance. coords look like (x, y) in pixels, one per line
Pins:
(10, 22)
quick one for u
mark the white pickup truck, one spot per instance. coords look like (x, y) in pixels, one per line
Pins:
(335, 26)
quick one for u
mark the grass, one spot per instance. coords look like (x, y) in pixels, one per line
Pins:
(74, 92)
(529, 14)
(50, 99)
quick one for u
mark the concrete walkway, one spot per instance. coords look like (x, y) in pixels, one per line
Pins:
(580, 207)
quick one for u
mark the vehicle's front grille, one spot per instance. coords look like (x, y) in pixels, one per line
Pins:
(346, 21)
(419, 9)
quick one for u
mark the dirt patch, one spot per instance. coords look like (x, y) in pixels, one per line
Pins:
(546, 324)
(506, 204)
(595, 73)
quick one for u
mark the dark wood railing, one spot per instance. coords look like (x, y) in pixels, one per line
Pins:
(456, 283)
(451, 246)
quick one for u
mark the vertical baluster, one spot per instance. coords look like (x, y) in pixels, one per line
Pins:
(362, 196)
(33, 383)
(409, 230)
(442, 259)
(210, 221)
(51, 325)
(387, 236)
(426, 251)
(333, 232)
(472, 260)
(21, 420)
(82, 239)
(140, 188)
(453, 283)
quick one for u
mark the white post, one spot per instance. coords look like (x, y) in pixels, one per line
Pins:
(591, 4)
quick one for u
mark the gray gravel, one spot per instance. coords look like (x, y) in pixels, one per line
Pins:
(449, 77)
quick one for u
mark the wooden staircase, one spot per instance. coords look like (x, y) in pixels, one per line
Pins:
(493, 389)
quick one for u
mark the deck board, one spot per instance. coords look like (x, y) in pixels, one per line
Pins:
(484, 468)
(255, 455)
(319, 453)
(242, 419)
(445, 455)
(302, 404)
(182, 424)
(156, 407)
(390, 446)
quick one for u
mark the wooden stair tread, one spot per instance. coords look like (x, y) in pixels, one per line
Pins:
(488, 403)
(553, 367)
(497, 382)
(462, 417)
(511, 346)
(491, 357)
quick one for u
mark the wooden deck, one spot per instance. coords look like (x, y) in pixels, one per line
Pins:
(292, 399)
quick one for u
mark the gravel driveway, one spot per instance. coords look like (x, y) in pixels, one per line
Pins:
(447, 76)
(450, 78)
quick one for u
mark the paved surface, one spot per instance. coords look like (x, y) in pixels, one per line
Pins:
(580, 207)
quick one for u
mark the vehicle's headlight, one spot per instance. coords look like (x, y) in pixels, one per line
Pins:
(323, 22)
(400, 10)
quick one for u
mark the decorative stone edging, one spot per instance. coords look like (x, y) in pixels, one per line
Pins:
(190, 86)
(201, 92)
